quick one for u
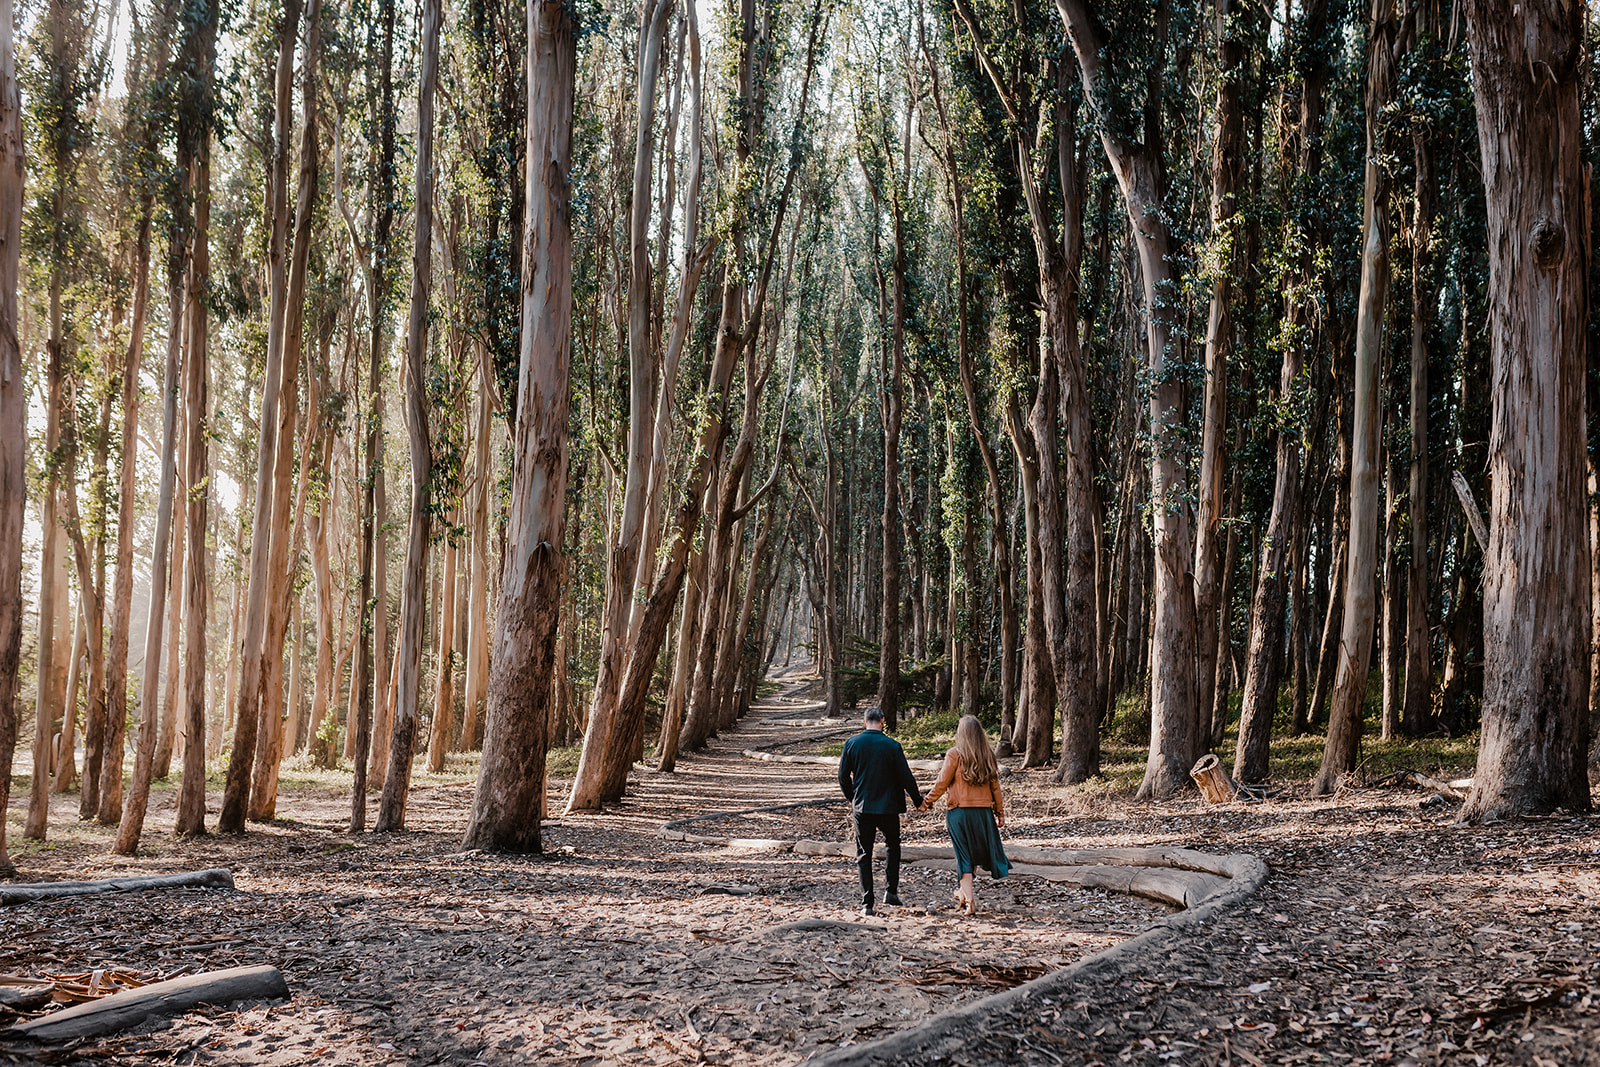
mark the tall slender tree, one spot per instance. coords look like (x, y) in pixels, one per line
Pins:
(13, 410)
(507, 803)
(414, 583)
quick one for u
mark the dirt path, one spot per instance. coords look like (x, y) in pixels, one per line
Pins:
(616, 946)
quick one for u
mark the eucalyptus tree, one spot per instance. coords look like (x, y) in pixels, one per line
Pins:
(1300, 150)
(1527, 78)
(146, 128)
(263, 785)
(954, 157)
(1132, 136)
(1041, 112)
(508, 801)
(1355, 644)
(413, 589)
(196, 124)
(13, 409)
(372, 246)
(67, 65)
(888, 83)
(270, 497)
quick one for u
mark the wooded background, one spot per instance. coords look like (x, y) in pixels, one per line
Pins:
(410, 379)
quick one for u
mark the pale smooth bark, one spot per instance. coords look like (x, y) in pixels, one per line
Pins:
(263, 792)
(413, 589)
(196, 143)
(133, 811)
(1349, 693)
(477, 658)
(444, 686)
(65, 744)
(247, 717)
(173, 437)
(38, 817)
(622, 567)
(372, 626)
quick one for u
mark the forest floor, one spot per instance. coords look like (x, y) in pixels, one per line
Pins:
(1386, 934)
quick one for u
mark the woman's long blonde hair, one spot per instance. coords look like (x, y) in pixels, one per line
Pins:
(978, 766)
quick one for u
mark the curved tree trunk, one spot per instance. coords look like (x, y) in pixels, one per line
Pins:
(1175, 736)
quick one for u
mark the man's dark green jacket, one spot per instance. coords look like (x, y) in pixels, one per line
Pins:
(874, 774)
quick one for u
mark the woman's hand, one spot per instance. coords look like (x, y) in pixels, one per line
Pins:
(1000, 821)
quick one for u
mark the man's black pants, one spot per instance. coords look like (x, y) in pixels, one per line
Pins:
(867, 829)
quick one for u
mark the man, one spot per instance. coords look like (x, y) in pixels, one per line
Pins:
(875, 776)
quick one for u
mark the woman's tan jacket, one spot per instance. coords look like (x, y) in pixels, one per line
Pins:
(963, 794)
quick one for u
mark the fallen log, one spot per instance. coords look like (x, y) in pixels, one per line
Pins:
(24, 994)
(29, 891)
(132, 1007)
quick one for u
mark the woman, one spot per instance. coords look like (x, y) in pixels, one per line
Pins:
(976, 811)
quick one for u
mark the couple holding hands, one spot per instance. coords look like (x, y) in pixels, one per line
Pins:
(875, 777)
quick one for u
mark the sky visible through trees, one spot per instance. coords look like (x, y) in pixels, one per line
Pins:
(403, 379)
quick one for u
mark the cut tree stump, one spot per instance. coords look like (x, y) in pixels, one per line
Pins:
(30, 891)
(132, 1007)
(1214, 783)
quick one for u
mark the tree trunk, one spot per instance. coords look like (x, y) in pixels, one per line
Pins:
(1418, 668)
(247, 717)
(1528, 86)
(623, 558)
(1227, 171)
(444, 691)
(322, 750)
(507, 804)
(477, 680)
(397, 782)
(65, 761)
(891, 415)
(1175, 737)
(1390, 640)
(372, 643)
(201, 40)
(170, 566)
(1264, 658)
(263, 790)
(1355, 644)
(13, 411)
(38, 818)
(683, 663)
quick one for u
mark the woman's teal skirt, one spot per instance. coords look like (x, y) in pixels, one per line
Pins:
(977, 840)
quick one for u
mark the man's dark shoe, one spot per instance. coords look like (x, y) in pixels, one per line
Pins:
(866, 909)
(892, 899)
